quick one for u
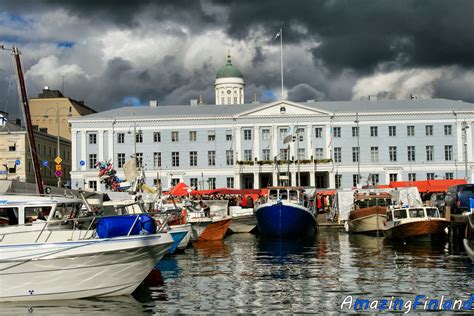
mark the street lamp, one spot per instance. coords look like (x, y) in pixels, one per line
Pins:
(58, 146)
(464, 132)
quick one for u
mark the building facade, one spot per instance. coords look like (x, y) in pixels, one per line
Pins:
(51, 111)
(15, 157)
(331, 144)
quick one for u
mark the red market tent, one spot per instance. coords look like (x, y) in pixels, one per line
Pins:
(428, 185)
(181, 189)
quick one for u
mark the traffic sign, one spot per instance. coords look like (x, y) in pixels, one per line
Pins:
(58, 160)
(82, 162)
(17, 162)
(45, 163)
(58, 167)
(58, 173)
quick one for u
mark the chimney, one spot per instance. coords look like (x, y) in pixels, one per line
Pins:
(153, 103)
(18, 121)
(194, 102)
(43, 130)
(46, 88)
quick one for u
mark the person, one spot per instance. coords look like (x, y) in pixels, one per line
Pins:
(41, 216)
(205, 208)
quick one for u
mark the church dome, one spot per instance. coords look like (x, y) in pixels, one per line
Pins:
(229, 70)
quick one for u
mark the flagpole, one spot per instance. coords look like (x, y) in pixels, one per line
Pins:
(281, 60)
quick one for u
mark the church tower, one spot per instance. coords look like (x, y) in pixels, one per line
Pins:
(229, 84)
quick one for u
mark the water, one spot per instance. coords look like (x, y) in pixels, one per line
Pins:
(244, 274)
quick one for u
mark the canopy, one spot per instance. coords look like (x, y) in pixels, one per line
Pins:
(429, 185)
(181, 189)
(226, 191)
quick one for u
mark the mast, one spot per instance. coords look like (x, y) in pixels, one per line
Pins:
(29, 128)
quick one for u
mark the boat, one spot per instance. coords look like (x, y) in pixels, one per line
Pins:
(419, 222)
(243, 220)
(468, 241)
(207, 228)
(285, 215)
(178, 237)
(187, 229)
(78, 269)
(369, 213)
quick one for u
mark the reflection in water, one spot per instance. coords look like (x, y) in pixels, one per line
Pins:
(245, 274)
(120, 305)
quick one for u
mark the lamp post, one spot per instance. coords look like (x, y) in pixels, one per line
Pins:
(358, 148)
(464, 133)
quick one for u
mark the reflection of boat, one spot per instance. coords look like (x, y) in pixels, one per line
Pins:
(285, 215)
(117, 305)
(415, 222)
(212, 248)
(369, 213)
(469, 240)
(78, 269)
(418, 248)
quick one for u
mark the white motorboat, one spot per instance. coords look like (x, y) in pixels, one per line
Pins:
(78, 269)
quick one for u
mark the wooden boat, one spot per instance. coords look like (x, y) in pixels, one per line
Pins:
(422, 222)
(285, 215)
(469, 240)
(369, 213)
(207, 228)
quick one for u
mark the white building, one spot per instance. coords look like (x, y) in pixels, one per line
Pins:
(233, 144)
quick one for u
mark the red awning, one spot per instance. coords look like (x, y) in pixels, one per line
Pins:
(428, 185)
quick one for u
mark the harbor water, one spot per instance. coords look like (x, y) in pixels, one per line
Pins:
(246, 274)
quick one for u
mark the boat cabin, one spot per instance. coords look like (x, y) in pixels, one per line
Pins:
(362, 200)
(26, 210)
(396, 214)
(293, 195)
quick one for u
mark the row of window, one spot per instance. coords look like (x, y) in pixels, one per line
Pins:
(210, 183)
(375, 178)
(392, 131)
(51, 152)
(393, 153)
(318, 132)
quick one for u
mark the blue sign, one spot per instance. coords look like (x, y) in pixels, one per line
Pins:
(82, 162)
(17, 162)
(471, 202)
(45, 163)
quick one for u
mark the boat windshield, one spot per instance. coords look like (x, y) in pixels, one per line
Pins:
(65, 211)
(294, 195)
(416, 212)
(35, 213)
(283, 195)
(273, 195)
(399, 214)
(432, 212)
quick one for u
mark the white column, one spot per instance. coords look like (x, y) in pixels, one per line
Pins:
(312, 179)
(73, 150)
(332, 181)
(256, 183)
(237, 177)
(469, 141)
(83, 150)
(101, 145)
(309, 141)
(293, 178)
(275, 137)
(274, 178)
(111, 145)
(238, 142)
(328, 145)
(256, 142)
(459, 143)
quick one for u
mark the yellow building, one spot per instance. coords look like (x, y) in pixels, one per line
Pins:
(15, 158)
(51, 105)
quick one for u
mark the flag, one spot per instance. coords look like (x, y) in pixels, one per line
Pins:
(277, 35)
(289, 135)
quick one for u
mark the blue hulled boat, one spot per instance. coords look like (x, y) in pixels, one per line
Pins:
(286, 214)
(178, 236)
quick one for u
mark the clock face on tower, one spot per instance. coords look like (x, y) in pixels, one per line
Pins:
(228, 91)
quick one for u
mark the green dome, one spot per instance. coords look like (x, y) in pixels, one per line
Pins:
(229, 70)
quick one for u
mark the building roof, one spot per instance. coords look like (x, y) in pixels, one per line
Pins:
(229, 70)
(15, 126)
(334, 107)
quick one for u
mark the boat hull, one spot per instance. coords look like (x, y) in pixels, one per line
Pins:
(367, 220)
(215, 230)
(178, 236)
(418, 229)
(78, 269)
(243, 224)
(184, 228)
(285, 220)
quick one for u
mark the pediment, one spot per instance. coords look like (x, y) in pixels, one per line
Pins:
(283, 108)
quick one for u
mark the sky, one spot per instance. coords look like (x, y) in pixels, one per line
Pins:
(125, 53)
